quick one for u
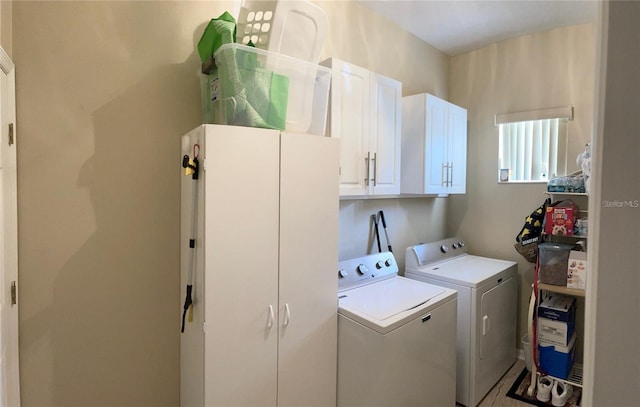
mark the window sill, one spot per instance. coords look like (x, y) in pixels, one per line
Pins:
(522, 182)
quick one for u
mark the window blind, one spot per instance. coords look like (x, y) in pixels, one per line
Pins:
(533, 144)
(533, 150)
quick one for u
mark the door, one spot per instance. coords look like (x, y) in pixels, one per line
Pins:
(350, 122)
(457, 147)
(9, 371)
(241, 266)
(436, 146)
(307, 348)
(497, 334)
(386, 120)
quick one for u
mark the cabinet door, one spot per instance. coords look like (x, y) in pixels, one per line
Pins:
(350, 122)
(307, 348)
(241, 266)
(385, 141)
(457, 147)
(436, 146)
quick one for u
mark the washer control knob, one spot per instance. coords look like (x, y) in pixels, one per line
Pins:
(379, 264)
(444, 248)
(388, 262)
(461, 244)
(362, 269)
(342, 273)
(455, 245)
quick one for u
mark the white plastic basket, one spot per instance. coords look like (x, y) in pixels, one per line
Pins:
(294, 28)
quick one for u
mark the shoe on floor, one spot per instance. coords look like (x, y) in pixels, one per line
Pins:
(545, 384)
(560, 393)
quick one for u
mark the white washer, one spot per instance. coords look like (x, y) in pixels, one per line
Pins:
(396, 337)
(487, 305)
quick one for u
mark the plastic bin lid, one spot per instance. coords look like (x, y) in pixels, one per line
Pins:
(555, 246)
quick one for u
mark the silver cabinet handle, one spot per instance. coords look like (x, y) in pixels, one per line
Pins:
(375, 168)
(445, 174)
(287, 315)
(271, 317)
(451, 174)
(366, 174)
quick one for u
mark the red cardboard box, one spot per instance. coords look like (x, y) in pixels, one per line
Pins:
(560, 218)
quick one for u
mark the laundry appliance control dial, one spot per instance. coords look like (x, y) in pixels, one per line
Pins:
(362, 269)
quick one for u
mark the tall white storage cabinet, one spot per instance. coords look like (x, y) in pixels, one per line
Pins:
(434, 146)
(264, 330)
(365, 114)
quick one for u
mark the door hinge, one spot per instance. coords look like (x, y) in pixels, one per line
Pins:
(11, 134)
(14, 295)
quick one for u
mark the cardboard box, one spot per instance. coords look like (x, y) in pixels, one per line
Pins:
(577, 270)
(558, 308)
(555, 332)
(557, 360)
(559, 219)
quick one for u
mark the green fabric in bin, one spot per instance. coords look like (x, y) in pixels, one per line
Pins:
(219, 31)
(249, 95)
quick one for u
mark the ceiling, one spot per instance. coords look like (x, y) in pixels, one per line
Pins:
(458, 26)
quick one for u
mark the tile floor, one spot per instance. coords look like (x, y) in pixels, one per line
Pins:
(497, 397)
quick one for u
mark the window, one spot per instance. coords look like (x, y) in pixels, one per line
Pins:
(533, 145)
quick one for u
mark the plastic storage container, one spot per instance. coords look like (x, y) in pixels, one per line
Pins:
(557, 360)
(257, 88)
(293, 27)
(553, 261)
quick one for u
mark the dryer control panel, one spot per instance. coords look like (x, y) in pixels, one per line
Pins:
(428, 253)
(365, 270)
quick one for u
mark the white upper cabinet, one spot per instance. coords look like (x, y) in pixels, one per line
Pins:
(434, 146)
(365, 114)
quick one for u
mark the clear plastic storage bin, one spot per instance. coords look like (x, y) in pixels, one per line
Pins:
(554, 262)
(257, 88)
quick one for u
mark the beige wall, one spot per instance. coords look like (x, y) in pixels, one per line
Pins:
(548, 69)
(6, 26)
(104, 91)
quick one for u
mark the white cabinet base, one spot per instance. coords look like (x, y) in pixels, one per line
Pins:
(264, 329)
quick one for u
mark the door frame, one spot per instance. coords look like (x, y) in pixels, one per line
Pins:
(9, 376)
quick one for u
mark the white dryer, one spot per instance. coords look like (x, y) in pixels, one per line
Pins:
(487, 310)
(396, 337)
